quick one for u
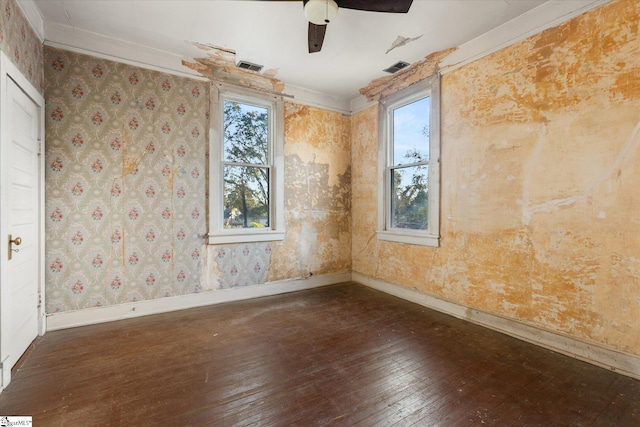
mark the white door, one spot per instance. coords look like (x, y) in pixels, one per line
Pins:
(21, 282)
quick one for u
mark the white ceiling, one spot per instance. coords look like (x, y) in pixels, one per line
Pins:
(274, 33)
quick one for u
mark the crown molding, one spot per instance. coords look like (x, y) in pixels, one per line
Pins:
(545, 16)
(32, 13)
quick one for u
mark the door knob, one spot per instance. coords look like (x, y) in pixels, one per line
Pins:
(17, 241)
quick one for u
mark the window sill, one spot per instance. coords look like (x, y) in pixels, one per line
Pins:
(264, 236)
(410, 238)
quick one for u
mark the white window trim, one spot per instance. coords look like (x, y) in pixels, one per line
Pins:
(430, 237)
(217, 233)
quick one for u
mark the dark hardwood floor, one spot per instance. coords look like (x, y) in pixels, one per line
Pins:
(342, 355)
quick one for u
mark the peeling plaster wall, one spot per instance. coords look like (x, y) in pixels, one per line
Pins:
(317, 193)
(20, 43)
(540, 165)
(126, 185)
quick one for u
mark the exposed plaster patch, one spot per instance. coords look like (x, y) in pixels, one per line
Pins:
(211, 274)
(307, 247)
(130, 164)
(401, 41)
(416, 72)
(553, 205)
(220, 65)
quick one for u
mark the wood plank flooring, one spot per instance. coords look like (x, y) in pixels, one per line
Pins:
(341, 355)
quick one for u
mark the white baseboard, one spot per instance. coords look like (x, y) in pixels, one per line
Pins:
(595, 354)
(90, 316)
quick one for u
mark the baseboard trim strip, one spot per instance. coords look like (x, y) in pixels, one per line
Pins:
(90, 316)
(595, 354)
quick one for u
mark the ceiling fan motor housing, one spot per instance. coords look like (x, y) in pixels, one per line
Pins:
(320, 12)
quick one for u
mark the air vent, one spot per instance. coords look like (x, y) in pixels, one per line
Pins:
(250, 66)
(396, 67)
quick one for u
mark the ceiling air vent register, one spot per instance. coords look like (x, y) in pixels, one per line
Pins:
(250, 66)
(396, 67)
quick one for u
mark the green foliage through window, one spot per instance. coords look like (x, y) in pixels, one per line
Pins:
(409, 177)
(246, 166)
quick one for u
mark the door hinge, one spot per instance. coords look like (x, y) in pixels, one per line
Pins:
(39, 300)
(39, 146)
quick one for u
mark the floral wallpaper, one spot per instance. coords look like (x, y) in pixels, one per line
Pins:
(126, 183)
(20, 43)
(242, 265)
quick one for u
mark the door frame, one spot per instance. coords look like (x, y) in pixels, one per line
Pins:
(9, 71)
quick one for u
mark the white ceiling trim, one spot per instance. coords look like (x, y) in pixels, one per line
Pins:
(32, 14)
(316, 99)
(126, 61)
(360, 103)
(545, 16)
(90, 43)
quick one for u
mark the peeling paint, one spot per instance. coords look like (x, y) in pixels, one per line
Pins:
(317, 195)
(417, 71)
(401, 41)
(539, 200)
(220, 66)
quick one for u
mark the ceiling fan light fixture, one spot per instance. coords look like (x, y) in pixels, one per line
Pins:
(320, 12)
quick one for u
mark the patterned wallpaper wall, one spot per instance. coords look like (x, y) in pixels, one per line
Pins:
(20, 43)
(241, 265)
(126, 182)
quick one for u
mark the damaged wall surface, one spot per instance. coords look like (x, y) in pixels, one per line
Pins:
(540, 160)
(540, 155)
(317, 195)
(126, 190)
(317, 202)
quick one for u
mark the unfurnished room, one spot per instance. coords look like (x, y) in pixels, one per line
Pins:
(320, 212)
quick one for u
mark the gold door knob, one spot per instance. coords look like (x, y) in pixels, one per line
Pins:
(17, 241)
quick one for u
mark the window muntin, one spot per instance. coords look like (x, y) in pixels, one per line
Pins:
(409, 165)
(246, 165)
(247, 162)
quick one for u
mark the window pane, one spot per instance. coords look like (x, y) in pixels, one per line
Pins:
(409, 190)
(246, 197)
(411, 132)
(246, 133)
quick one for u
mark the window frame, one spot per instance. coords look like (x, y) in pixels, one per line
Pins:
(275, 106)
(431, 236)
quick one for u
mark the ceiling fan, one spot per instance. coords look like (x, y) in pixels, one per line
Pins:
(320, 12)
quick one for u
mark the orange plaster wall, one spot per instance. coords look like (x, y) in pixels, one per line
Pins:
(317, 195)
(540, 207)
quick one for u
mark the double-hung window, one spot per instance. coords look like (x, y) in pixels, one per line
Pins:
(409, 159)
(246, 184)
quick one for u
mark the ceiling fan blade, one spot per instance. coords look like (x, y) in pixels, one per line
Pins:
(316, 37)
(391, 6)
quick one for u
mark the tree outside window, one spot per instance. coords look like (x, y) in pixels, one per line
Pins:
(410, 166)
(409, 200)
(246, 166)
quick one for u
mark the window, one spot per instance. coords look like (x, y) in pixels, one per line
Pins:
(246, 186)
(409, 159)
